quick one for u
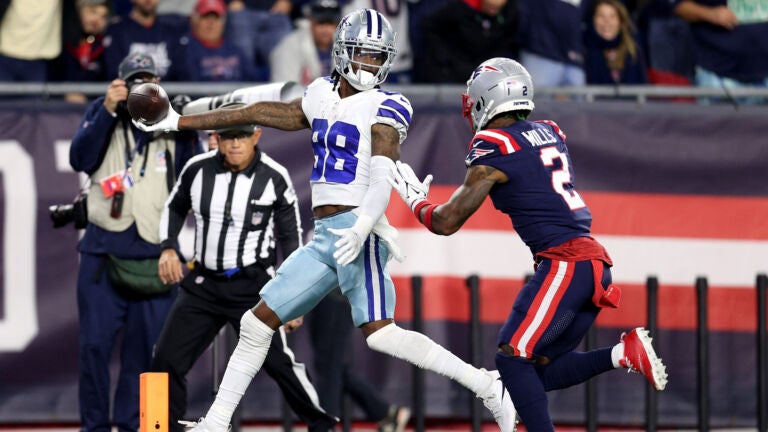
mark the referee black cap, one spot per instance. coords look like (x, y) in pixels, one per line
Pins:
(242, 128)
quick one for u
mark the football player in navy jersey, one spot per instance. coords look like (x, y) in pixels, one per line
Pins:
(525, 168)
(357, 130)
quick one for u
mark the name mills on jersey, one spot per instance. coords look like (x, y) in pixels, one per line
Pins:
(539, 137)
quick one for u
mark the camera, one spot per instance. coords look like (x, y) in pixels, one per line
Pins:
(131, 83)
(122, 106)
(77, 212)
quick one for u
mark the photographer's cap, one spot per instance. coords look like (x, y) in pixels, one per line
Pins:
(242, 128)
(136, 63)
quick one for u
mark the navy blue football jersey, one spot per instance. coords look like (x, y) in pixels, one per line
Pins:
(539, 197)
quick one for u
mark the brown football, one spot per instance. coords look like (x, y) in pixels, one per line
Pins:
(148, 103)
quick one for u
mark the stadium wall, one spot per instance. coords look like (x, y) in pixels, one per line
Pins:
(677, 191)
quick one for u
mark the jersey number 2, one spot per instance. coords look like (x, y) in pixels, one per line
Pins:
(562, 177)
(335, 151)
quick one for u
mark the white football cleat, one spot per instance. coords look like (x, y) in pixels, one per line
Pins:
(201, 426)
(497, 400)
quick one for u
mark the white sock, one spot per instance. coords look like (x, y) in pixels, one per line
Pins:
(617, 353)
(423, 352)
(246, 360)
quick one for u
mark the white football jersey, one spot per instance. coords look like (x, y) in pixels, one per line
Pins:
(341, 138)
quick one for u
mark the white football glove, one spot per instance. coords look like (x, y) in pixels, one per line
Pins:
(351, 239)
(408, 186)
(168, 124)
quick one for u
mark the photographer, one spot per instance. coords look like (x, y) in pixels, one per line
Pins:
(131, 174)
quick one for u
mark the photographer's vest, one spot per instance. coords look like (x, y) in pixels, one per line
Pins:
(144, 202)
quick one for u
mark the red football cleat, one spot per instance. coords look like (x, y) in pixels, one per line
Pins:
(640, 357)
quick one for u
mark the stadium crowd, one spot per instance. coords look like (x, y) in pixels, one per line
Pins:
(561, 42)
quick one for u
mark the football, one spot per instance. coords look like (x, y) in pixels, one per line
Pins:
(148, 103)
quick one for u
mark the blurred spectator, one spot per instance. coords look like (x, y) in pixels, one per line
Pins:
(30, 35)
(132, 173)
(82, 59)
(256, 27)
(142, 32)
(213, 141)
(209, 56)
(458, 37)
(551, 41)
(305, 54)
(396, 12)
(417, 10)
(176, 14)
(612, 55)
(122, 8)
(730, 37)
(176, 7)
(4, 4)
(667, 44)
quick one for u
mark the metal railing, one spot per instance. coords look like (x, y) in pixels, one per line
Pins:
(437, 93)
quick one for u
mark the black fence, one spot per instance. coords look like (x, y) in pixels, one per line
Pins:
(591, 412)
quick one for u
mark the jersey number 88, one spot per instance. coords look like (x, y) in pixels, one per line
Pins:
(335, 151)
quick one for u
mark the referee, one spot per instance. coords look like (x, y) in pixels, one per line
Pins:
(239, 197)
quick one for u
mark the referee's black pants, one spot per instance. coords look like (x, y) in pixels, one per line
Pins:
(204, 305)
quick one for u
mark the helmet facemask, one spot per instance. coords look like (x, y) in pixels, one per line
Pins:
(466, 109)
(362, 58)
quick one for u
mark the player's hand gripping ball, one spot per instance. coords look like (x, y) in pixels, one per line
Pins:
(148, 103)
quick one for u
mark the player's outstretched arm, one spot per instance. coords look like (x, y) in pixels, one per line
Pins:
(279, 115)
(412, 190)
(446, 219)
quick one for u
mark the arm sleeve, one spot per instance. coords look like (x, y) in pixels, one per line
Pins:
(92, 138)
(377, 197)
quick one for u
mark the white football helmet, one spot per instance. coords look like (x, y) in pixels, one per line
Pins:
(498, 85)
(363, 39)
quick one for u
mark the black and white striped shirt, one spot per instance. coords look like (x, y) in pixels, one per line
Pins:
(236, 214)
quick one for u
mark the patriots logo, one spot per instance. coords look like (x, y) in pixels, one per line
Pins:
(484, 68)
(476, 153)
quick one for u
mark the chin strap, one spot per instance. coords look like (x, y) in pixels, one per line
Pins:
(361, 80)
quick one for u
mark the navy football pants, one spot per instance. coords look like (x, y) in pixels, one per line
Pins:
(549, 318)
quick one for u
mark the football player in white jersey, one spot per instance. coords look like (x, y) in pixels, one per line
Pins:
(357, 130)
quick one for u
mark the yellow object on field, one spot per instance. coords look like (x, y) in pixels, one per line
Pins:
(153, 402)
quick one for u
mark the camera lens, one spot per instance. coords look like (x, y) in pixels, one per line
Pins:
(133, 82)
(61, 214)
